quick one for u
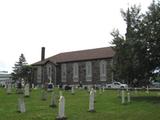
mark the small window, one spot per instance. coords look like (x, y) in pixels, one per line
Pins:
(49, 73)
(88, 71)
(75, 72)
(103, 70)
(63, 72)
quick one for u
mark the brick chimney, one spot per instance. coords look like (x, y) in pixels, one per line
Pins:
(43, 53)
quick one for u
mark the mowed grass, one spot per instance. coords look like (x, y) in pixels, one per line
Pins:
(108, 106)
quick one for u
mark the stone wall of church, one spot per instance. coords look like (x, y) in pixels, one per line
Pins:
(41, 74)
(82, 72)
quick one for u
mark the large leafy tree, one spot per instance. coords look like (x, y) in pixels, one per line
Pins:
(126, 60)
(152, 34)
(136, 53)
(21, 70)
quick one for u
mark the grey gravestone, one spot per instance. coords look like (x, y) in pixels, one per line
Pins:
(103, 88)
(53, 100)
(123, 97)
(19, 88)
(127, 89)
(72, 90)
(26, 90)
(91, 101)
(147, 90)
(9, 88)
(44, 95)
(100, 90)
(128, 97)
(89, 88)
(61, 109)
(32, 86)
(135, 90)
(21, 105)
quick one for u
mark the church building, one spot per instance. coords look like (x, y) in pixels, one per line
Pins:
(84, 67)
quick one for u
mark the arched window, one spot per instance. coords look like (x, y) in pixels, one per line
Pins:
(88, 71)
(103, 70)
(63, 72)
(75, 72)
(49, 72)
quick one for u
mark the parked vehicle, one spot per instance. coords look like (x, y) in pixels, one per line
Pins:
(116, 85)
(155, 83)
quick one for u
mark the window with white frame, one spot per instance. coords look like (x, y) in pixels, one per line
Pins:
(75, 72)
(63, 72)
(49, 72)
(88, 71)
(103, 70)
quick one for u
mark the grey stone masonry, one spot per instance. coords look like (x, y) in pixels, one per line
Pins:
(56, 78)
(82, 72)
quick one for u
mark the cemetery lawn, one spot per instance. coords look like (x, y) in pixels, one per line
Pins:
(108, 106)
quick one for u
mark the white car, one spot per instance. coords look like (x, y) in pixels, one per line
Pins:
(116, 85)
(155, 84)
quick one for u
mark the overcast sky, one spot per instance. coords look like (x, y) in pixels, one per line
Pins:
(58, 25)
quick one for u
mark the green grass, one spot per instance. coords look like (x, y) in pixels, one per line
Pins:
(108, 106)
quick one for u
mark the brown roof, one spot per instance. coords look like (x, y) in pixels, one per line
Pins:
(98, 53)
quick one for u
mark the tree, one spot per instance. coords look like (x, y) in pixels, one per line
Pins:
(152, 34)
(21, 70)
(136, 54)
(26, 73)
(119, 57)
(126, 59)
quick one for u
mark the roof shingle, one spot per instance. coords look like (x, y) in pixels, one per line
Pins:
(98, 53)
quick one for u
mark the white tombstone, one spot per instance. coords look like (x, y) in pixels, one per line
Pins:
(72, 90)
(89, 88)
(135, 90)
(21, 105)
(128, 97)
(9, 88)
(32, 86)
(103, 88)
(13, 85)
(5, 85)
(61, 109)
(127, 89)
(100, 90)
(123, 97)
(147, 91)
(26, 90)
(80, 88)
(44, 95)
(91, 101)
(53, 100)
(35, 87)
